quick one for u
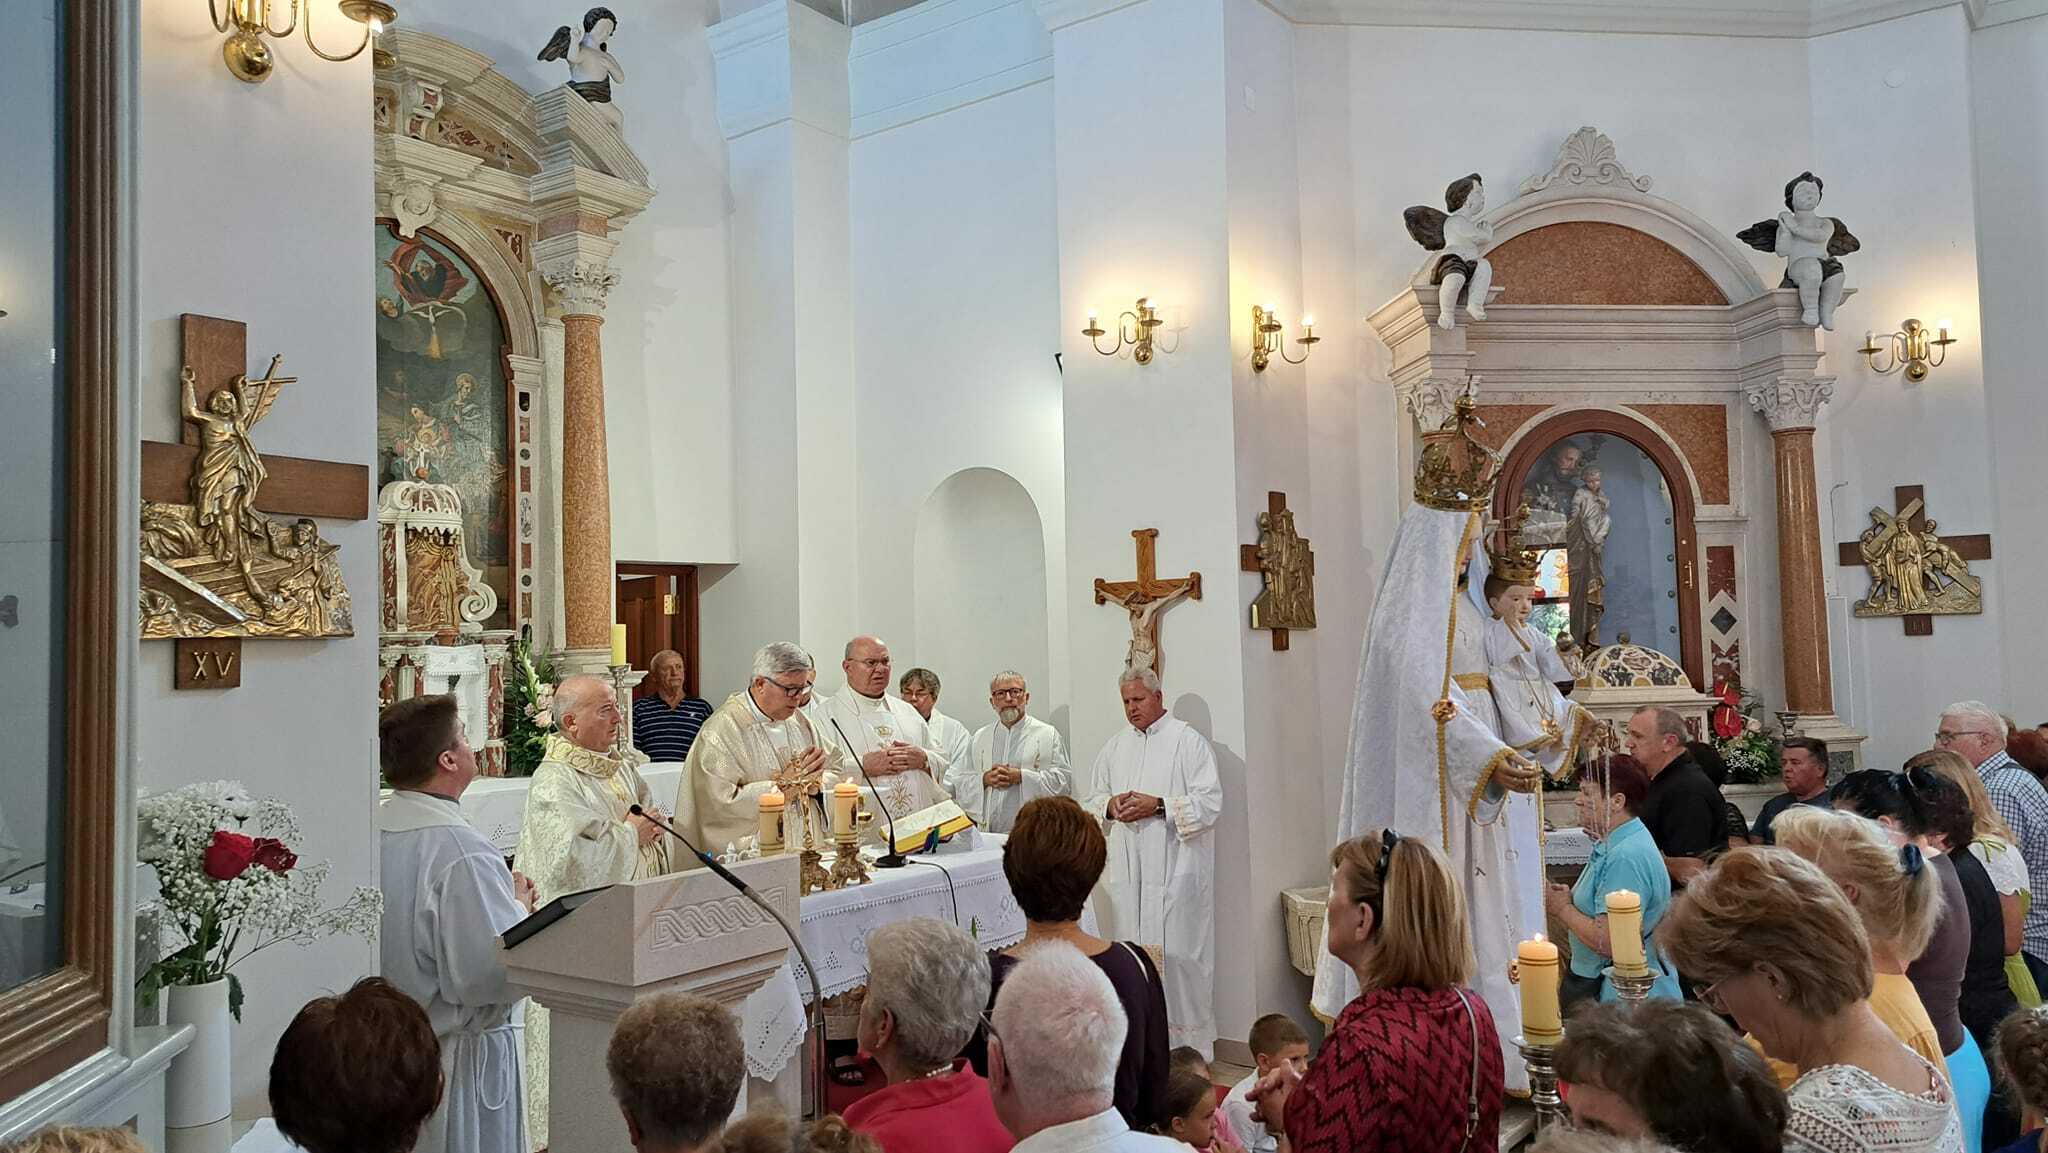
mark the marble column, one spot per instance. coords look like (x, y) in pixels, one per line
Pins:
(1790, 405)
(580, 281)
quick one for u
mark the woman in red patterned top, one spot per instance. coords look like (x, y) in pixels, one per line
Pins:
(1412, 1065)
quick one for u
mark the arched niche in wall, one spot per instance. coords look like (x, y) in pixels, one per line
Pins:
(980, 588)
(1618, 504)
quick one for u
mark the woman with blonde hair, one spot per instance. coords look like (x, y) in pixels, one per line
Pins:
(1896, 897)
(1414, 1062)
(1775, 944)
(1996, 848)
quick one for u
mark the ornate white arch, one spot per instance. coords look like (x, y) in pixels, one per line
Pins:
(1588, 183)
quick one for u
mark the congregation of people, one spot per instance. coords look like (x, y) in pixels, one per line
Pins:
(1857, 968)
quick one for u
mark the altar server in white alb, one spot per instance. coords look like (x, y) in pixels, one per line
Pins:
(1018, 759)
(920, 690)
(1155, 787)
(892, 742)
(447, 898)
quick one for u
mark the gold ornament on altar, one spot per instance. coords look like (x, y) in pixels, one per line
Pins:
(1512, 562)
(218, 567)
(1912, 570)
(1454, 471)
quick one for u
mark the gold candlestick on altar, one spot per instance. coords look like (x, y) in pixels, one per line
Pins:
(847, 867)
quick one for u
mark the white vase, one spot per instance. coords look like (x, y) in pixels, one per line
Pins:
(198, 1096)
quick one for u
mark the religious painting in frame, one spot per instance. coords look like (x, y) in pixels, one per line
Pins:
(1611, 510)
(443, 392)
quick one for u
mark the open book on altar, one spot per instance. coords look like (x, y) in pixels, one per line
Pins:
(914, 830)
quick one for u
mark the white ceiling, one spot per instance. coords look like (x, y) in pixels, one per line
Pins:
(1779, 18)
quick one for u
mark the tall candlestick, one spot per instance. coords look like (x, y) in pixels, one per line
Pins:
(1625, 932)
(1537, 961)
(618, 644)
(845, 795)
(771, 809)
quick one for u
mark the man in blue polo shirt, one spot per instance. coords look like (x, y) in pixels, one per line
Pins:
(665, 721)
(1625, 856)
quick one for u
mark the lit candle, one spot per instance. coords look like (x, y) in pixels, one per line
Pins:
(1308, 325)
(1091, 318)
(1944, 327)
(1537, 961)
(771, 806)
(618, 644)
(1625, 932)
(845, 795)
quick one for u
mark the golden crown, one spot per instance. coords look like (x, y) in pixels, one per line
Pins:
(1513, 563)
(1454, 471)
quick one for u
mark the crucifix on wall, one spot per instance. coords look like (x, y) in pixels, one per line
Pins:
(1284, 558)
(1914, 573)
(1145, 598)
(215, 568)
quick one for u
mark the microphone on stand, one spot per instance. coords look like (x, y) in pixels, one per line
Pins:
(891, 859)
(817, 1006)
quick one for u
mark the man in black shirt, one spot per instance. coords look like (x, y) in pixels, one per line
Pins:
(1805, 761)
(1684, 812)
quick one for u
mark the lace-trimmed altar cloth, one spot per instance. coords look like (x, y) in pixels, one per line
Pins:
(1843, 1109)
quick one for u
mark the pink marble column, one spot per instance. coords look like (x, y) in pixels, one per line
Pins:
(586, 489)
(1791, 406)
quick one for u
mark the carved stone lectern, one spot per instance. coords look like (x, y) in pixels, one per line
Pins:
(685, 932)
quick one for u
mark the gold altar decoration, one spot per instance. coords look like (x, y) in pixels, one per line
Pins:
(1288, 565)
(1914, 573)
(1453, 470)
(1513, 562)
(219, 567)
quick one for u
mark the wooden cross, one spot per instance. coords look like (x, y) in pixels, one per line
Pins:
(1910, 502)
(217, 352)
(1145, 598)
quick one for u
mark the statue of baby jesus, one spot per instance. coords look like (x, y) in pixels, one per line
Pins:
(1525, 668)
(1462, 236)
(1811, 245)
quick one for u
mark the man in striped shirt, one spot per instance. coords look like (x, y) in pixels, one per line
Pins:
(1975, 730)
(665, 721)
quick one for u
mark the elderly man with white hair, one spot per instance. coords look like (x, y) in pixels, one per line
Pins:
(1154, 785)
(1977, 731)
(1017, 760)
(579, 833)
(1054, 1041)
(756, 734)
(927, 983)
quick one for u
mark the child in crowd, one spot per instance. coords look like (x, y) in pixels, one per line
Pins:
(1275, 1040)
(2023, 1059)
(1189, 1114)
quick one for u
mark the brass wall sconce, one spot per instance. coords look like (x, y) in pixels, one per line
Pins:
(1911, 349)
(248, 22)
(1266, 338)
(1133, 328)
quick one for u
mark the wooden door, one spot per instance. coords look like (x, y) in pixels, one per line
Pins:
(658, 605)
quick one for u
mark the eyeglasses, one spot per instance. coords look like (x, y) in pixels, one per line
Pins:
(790, 690)
(1710, 996)
(873, 662)
(1945, 737)
(1007, 693)
(988, 1022)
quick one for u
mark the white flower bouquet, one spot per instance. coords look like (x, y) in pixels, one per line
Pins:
(227, 894)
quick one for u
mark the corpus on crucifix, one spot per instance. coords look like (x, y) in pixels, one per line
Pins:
(1145, 598)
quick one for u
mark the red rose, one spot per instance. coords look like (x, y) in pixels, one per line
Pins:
(228, 855)
(272, 854)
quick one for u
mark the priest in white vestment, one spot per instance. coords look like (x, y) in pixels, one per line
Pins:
(920, 689)
(1426, 757)
(448, 897)
(885, 735)
(1154, 785)
(759, 732)
(579, 833)
(1018, 759)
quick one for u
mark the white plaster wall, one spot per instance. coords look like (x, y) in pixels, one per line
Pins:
(668, 325)
(2009, 107)
(1906, 80)
(258, 215)
(31, 459)
(955, 311)
(979, 589)
(1280, 777)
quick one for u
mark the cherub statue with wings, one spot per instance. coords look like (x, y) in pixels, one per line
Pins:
(592, 69)
(1812, 246)
(1463, 237)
